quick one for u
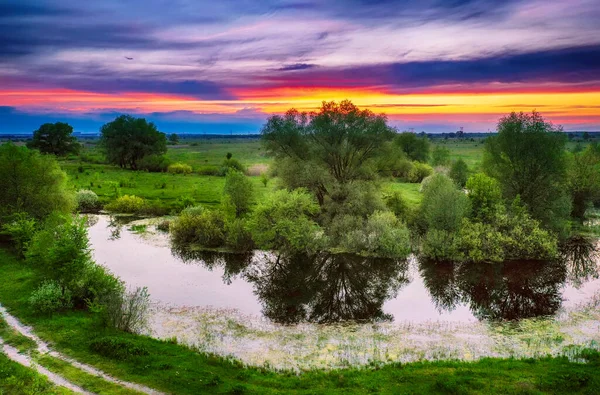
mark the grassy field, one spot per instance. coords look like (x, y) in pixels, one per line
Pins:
(177, 369)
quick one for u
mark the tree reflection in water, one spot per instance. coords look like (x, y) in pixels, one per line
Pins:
(582, 256)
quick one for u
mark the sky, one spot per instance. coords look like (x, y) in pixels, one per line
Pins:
(224, 66)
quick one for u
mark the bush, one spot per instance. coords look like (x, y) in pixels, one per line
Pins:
(439, 245)
(126, 311)
(440, 156)
(87, 200)
(20, 230)
(195, 225)
(459, 172)
(98, 283)
(117, 348)
(128, 204)
(180, 168)
(240, 191)
(50, 297)
(396, 204)
(209, 171)
(418, 172)
(238, 237)
(184, 202)
(231, 164)
(443, 206)
(485, 196)
(154, 163)
(383, 235)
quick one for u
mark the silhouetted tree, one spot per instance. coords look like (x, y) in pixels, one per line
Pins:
(55, 138)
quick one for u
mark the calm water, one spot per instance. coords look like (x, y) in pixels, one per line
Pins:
(326, 289)
(346, 310)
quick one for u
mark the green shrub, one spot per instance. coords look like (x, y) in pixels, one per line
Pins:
(87, 200)
(485, 196)
(443, 206)
(154, 163)
(382, 235)
(209, 171)
(21, 230)
(418, 172)
(238, 237)
(118, 348)
(439, 245)
(205, 228)
(126, 311)
(97, 284)
(396, 204)
(180, 168)
(440, 156)
(184, 202)
(50, 297)
(239, 189)
(128, 204)
(459, 172)
(229, 164)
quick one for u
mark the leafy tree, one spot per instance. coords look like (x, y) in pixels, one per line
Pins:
(485, 195)
(459, 172)
(336, 145)
(32, 183)
(240, 191)
(415, 147)
(440, 156)
(443, 206)
(174, 138)
(127, 140)
(584, 179)
(55, 138)
(528, 158)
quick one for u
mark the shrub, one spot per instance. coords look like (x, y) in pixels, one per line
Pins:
(97, 284)
(439, 245)
(383, 235)
(396, 204)
(229, 164)
(209, 171)
(440, 156)
(50, 297)
(443, 206)
(154, 163)
(184, 202)
(20, 230)
(459, 172)
(198, 226)
(126, 311)
(419, 171)
(240, 191)
(86, 200)
(180, 168)
(129, 204)
(485, 196)
(264, 178)
(117, 348)
(238, 237)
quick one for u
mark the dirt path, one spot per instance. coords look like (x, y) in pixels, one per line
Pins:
(43, 348)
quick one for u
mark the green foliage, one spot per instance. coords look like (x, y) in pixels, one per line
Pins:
(415, 147)
(439, 245)
(239, 189)
(184, 202)
(528, 158)
(173, 138)
(126, 311)
(440, 156)
(396, 204)
(32, 183)
(180, 168)
(205, 228)
(237, 235)
(264, 178)
(459, 172)
(285, 222)
(87, 201)
(21, 230)
(418, 172)
(118, 348)
(49, 298)
(584, 179)
(382, 235)
(444, 205)
(128, 204)
(231, 164)
(154, 163)
(328, 149)
(126, 140)
(55, 138)
(208, 171)
(485, 196)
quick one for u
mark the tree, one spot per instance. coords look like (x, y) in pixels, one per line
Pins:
(320, 151)
(586, 136)
(528, 158)
(443, 206)
(127, 140)
(485, 196)
(416, 148)
(55, 138)
(174, 138)
(440, 156)
(584, 179)
(32, 183)
(239, 189)
(459, 172)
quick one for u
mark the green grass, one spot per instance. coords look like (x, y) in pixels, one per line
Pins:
(16, 379)
(177, 369)
(469, 151)
(410, 192)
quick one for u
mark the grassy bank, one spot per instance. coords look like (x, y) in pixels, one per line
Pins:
(177, 369)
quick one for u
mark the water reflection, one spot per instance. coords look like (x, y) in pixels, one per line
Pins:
(581, 254)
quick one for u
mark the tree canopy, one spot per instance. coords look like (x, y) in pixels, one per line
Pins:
(55, 138)
(415, 147)
(528, 158)
(127, 140)
(335, 145)
(32, 183)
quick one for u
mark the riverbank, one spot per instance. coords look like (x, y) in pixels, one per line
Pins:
(173, 368)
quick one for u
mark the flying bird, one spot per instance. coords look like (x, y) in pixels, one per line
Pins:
(128, 58)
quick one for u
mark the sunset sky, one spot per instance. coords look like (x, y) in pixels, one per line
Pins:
(224, 66)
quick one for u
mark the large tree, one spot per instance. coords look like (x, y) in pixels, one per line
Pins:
(528, 157)
(55, 138)
(584, 179)
(32, 183)
(325, 151)
(126, 140)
